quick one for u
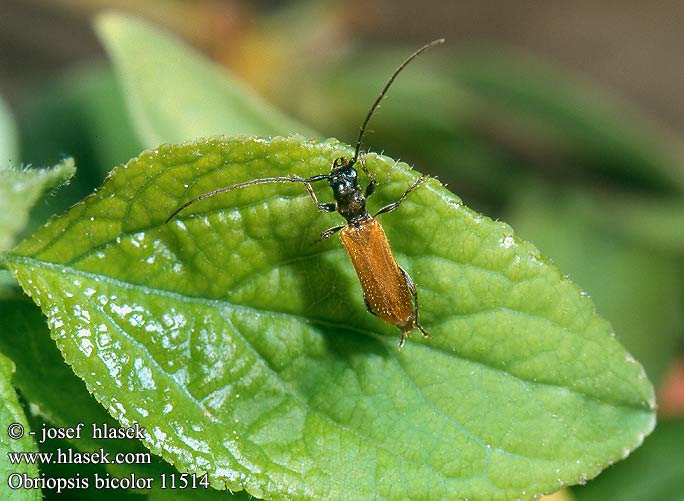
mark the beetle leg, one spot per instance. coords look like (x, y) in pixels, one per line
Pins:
(423, 331)
(404, 334)
(330, 231)
(312, 193)
(402, 340)
(373, 183)
(331, 207)
(392, 206)
(412, 288)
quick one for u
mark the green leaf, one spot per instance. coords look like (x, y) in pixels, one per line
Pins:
(20, 190)
(50, 385)
(42, 376)
(636, 287)
(653, 473)
(245, 350)
(11, 417)
(164, 80)
(8, 152)
(199, 494)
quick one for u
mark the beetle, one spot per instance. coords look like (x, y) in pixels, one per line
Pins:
(388, 291)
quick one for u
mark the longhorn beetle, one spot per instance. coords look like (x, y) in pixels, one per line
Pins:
(388, 291)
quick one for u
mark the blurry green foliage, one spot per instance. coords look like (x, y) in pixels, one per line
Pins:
(8, 137)
(482, 108)
(173, 95)
(81, 115)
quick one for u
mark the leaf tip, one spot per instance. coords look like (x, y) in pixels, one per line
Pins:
(110, 23)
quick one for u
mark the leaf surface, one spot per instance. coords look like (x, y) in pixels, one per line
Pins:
(47, 382)
(245, 349)
(637, 287)
(42, 376)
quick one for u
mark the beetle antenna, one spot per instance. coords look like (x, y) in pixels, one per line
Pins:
(403, 65)
(289, 179)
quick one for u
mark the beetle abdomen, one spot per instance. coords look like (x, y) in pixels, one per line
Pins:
(385, 288)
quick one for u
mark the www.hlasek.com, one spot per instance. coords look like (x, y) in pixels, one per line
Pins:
(67, 455)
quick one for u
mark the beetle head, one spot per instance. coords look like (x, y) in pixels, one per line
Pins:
(343, 177)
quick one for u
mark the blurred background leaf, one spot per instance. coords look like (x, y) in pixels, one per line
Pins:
(8, 136)
(174, 94)
(483, 113)
(81, 114)
(8, 152)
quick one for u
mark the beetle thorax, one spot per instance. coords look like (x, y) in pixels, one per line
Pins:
(350, 200)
